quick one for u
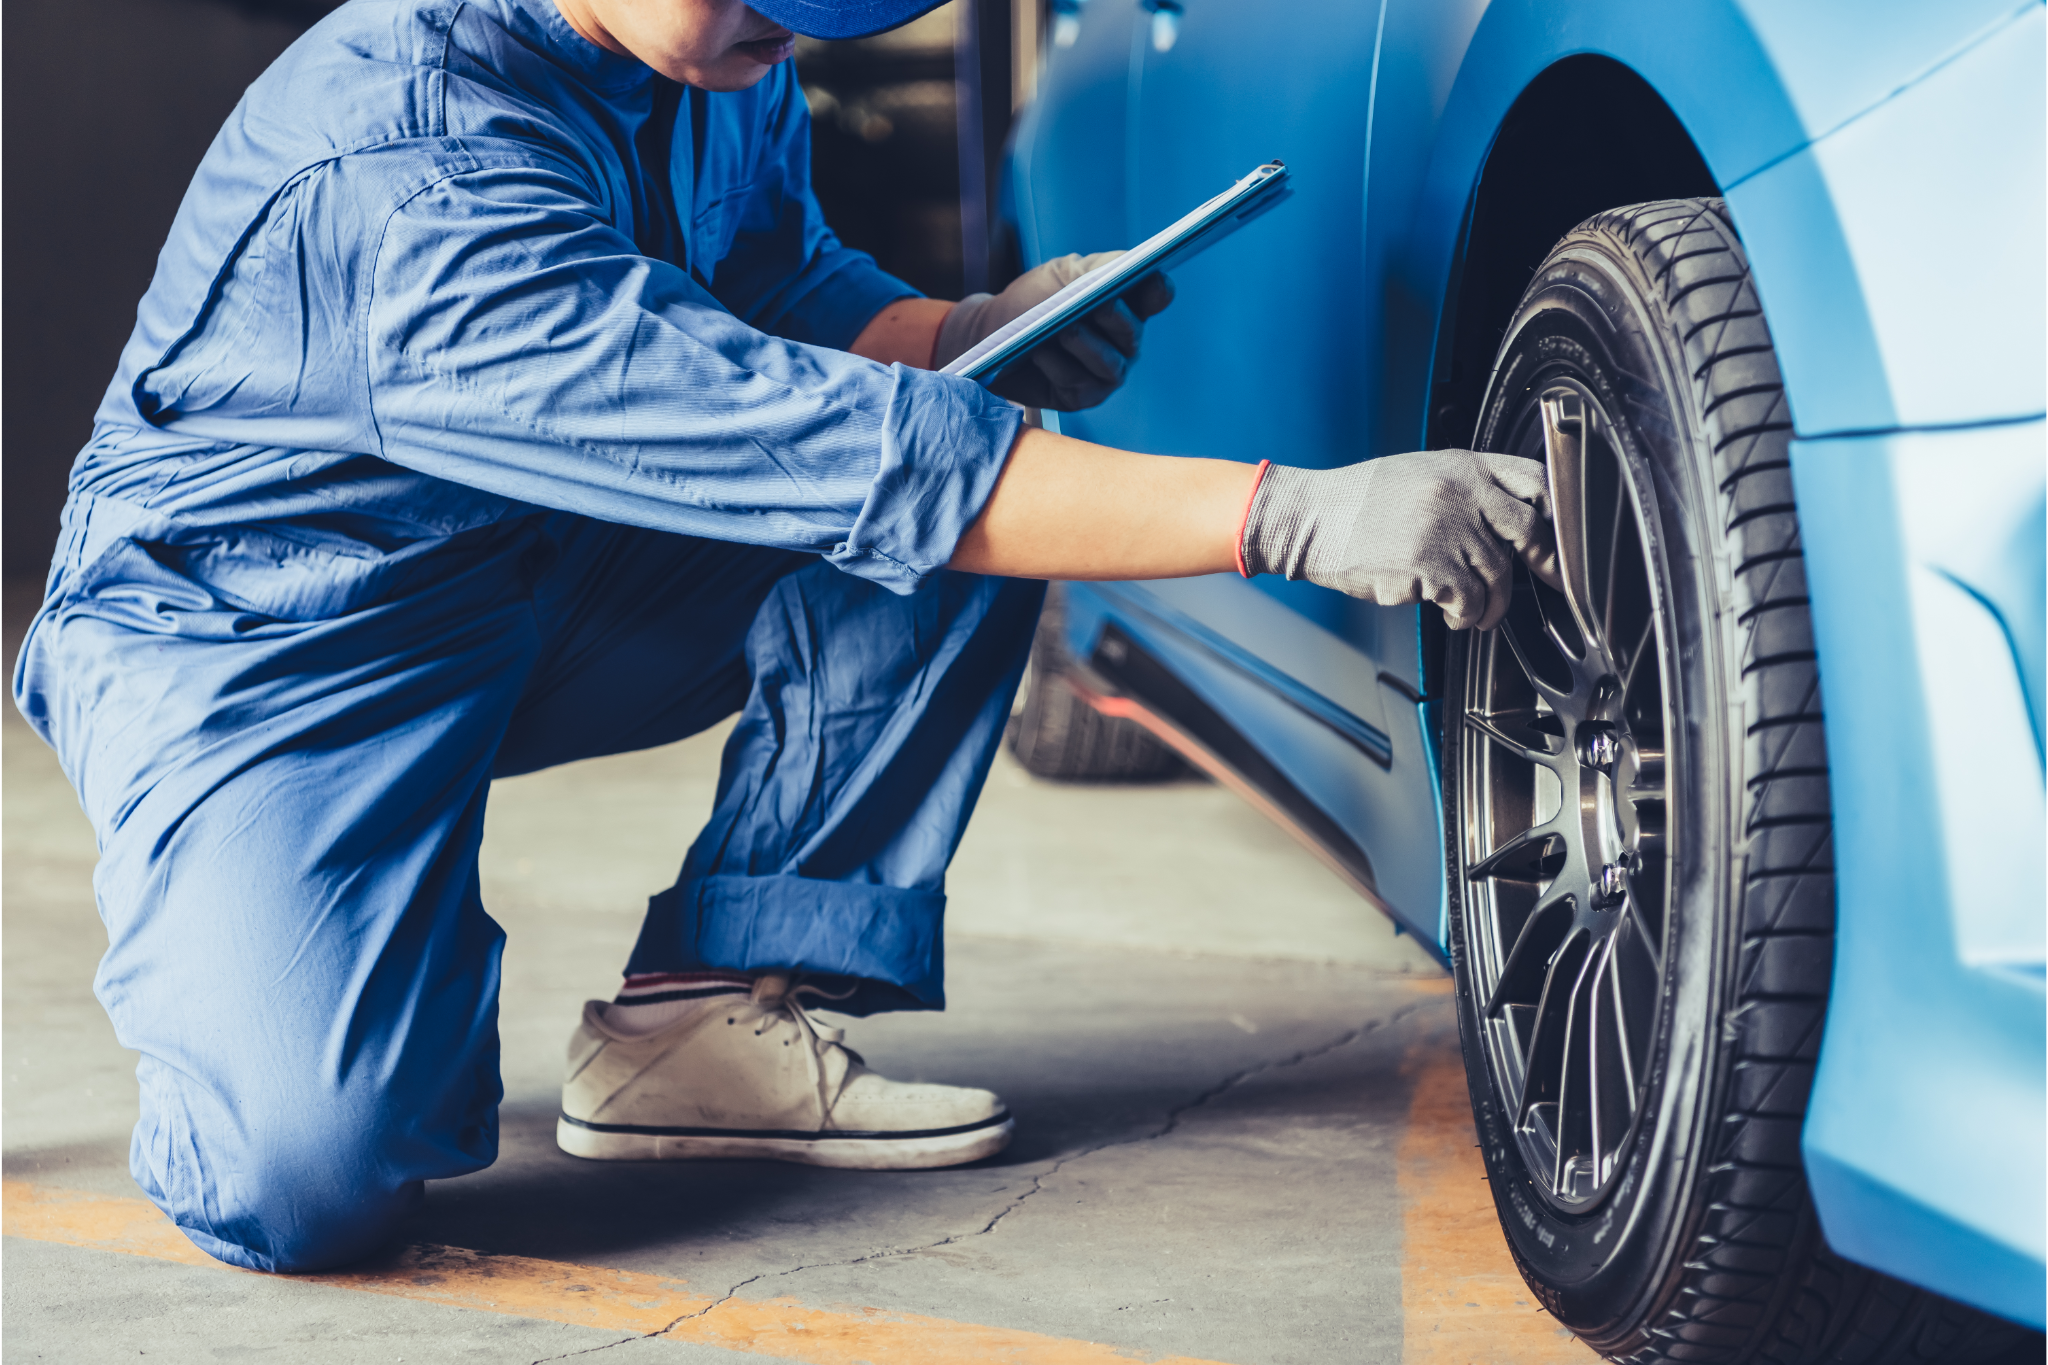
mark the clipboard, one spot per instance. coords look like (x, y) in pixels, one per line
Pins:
(1207, 225)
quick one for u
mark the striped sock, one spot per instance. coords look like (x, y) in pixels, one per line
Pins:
(651, 1001)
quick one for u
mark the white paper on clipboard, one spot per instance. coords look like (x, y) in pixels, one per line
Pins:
(1211, 223)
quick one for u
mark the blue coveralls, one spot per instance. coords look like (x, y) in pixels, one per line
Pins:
(484, 414)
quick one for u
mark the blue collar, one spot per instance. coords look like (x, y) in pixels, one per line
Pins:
(539, 24)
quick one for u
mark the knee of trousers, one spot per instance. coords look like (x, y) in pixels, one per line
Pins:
(299, 1186)
(281, 1231)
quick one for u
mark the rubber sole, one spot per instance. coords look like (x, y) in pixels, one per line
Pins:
(868, 1152)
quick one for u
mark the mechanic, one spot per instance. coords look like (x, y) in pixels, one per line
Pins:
(502, 399)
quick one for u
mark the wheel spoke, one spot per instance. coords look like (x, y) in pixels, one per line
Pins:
(1490, 865)
(1527, 946)
(1614, 547)
(1617, 1024)
(1632, 916)
(1529, 671)
(1574, 1026)
(1590, 975)
(1628, 677)
(1564, 452)
(1552, 1009)
(1624, 1043)
(1560, 625)
(1636, 974)
(1500, 737)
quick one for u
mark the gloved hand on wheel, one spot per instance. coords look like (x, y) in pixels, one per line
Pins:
(1442, 526)
(1083, 364)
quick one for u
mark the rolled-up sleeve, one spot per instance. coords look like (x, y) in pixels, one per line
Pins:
(518, 343)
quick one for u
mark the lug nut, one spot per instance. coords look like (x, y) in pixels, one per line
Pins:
(1600, 749)
(1613, 886)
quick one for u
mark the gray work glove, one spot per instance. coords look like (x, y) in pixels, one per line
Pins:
(1081, 365)
(1442, 526)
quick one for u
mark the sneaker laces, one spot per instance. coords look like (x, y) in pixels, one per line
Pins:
(778, 1002)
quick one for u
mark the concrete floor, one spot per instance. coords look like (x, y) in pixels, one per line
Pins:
(1241, 1133)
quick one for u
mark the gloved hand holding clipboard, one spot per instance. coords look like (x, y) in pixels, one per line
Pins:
(995, 355)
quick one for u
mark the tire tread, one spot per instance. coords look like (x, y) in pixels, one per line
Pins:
(1759, 1283)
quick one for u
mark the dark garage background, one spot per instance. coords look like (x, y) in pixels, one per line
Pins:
(109, 104)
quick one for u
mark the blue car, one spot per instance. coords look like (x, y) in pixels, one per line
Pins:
(1734, 846)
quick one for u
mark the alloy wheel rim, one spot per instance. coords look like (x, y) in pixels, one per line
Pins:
(1566, 801)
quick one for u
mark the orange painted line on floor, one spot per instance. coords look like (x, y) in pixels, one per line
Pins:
(556, 1292)
(133, 1226)
(860, 1336)
(1462, 1299)
(582, 1296)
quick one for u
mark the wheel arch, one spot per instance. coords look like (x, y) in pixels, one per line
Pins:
(1587, 134)
(1527, 71)
(1516, 209)
(1480, 79)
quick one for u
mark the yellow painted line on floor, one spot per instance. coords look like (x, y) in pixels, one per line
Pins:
(582, 1296)
(1462, 1299)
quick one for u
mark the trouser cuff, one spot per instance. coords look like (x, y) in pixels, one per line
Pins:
(884, 942)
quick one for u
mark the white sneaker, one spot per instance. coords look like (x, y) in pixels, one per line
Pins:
(755, 1076)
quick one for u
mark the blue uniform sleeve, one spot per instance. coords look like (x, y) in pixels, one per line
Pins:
(516, 342)
(781, 268)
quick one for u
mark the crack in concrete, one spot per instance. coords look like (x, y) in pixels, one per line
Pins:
(1174, 1116)
(1172, 1122)
(588, 1350)
(1173, 1119)
(663, 1331)
(719, 1302)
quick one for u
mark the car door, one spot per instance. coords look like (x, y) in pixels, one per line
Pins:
(1067, 176)
(1265, 355)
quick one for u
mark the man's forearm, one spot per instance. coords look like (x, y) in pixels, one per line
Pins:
(904, 331)
(1068, 509)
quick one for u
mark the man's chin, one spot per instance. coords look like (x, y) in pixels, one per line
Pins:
(733, 72)
(768, 51)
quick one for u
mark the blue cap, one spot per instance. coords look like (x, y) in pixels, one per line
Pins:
(844, 19)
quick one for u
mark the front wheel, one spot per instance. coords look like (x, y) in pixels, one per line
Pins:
(1638, 831)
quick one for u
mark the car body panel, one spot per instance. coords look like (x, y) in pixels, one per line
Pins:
(1941, 263)
(1080, 112)
(1888, 254)
(1884, 165)
(1362, 774)
(1925, 1139)
(1834, 62)
(1806, 276)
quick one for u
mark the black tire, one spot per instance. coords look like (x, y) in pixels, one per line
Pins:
(1055, 734)
(1694, 911)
